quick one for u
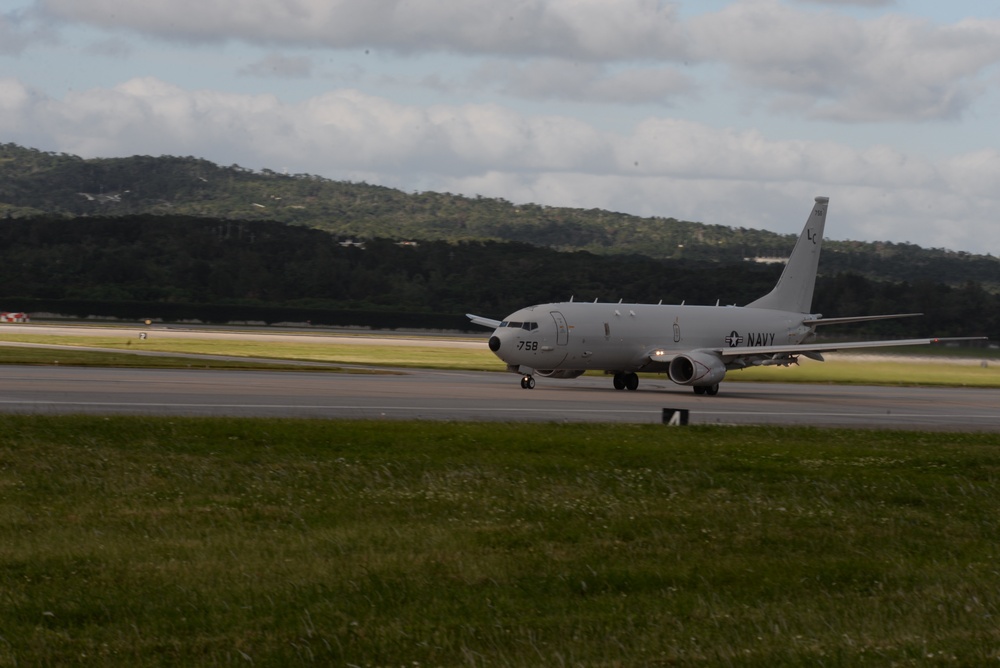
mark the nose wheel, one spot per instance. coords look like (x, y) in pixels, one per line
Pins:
(528, 383)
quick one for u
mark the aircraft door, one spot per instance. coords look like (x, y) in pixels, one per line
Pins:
(562, 330)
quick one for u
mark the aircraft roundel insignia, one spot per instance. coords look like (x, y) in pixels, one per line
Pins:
(734, 339)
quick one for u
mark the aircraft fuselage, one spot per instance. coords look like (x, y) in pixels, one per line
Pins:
(620, 337)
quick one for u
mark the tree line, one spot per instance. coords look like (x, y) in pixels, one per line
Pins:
(183, 267)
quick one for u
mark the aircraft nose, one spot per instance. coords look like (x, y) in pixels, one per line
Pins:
(494, 343)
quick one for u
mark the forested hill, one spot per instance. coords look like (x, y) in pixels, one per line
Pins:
(34, 182)
(179, 267)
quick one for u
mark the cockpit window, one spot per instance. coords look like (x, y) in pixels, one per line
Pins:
(530, 326)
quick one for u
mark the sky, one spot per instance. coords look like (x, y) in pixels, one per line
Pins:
(730, 112)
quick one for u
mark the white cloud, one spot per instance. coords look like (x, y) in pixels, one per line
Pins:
(586, 82)
(15, 101)
(279, 66)
(831, 66)
(975, 175)
(11, 41)
(570, 28)
(850, 3)
(18, 31)
(812, 61)
(110, 48)
(659, 167)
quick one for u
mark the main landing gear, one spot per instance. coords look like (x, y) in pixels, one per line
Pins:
(626, 381)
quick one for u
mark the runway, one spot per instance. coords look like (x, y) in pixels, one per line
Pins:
(478, 396)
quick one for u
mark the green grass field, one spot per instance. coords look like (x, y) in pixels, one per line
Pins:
(335, 353)
(900, 371)
(167, 541)
(69, 357)
(942, 371)
(173, 541)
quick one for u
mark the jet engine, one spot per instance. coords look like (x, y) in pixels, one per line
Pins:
(562, 373)
(697, 368)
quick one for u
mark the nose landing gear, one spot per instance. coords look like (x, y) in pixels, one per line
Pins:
(528, 382)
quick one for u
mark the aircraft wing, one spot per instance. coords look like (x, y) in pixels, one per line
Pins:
(485, 322)
(857, 318)
(658, 359)
(832, 346)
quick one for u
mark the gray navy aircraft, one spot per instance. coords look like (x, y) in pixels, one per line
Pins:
(693, 345)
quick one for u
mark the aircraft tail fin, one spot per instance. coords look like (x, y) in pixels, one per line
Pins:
(794, 291)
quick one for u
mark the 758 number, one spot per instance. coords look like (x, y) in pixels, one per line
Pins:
(527, 345)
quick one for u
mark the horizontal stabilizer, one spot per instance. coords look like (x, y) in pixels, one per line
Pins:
(857, 318)
(484, 322)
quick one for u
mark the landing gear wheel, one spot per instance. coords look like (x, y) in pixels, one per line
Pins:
(631, 382)
(700, 389)
(528, 383)
(619, 381)
(713, 390)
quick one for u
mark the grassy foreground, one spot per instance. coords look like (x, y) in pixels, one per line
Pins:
(166, 541)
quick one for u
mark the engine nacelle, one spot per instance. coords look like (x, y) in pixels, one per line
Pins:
(562, 373)
(697, 369)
